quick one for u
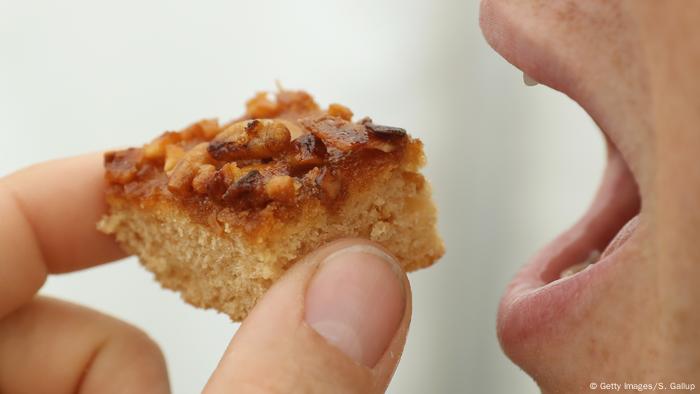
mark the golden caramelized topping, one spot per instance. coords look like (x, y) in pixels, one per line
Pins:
(252, 139)
(122, 166)
(279, 151)
(287, 102)
(383, 131)
(281, 188)
(307, 152)
(187, 168)
(337, 132)
(340, 111)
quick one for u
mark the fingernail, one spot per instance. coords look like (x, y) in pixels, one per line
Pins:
(356, 301)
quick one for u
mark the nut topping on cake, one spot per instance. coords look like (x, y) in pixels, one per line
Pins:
(300, 152)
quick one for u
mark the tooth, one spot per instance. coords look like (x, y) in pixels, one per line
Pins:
(529, 81)
(576, 268)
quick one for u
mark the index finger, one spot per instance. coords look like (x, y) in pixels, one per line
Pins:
(49, 213)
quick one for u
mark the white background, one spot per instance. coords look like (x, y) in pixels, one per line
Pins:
(511, 166)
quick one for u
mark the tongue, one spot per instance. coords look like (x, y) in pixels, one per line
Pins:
(622, 236)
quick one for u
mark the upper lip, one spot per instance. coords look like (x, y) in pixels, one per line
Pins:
(534, 300)
(546, 66)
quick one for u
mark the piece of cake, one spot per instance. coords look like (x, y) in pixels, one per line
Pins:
(218, 213)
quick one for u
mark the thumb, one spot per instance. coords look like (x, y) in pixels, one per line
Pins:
(336, 322)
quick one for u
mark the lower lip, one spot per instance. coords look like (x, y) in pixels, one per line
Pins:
(531, 307)
(537, 300)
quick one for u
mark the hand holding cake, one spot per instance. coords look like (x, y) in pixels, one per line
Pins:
(257, 218)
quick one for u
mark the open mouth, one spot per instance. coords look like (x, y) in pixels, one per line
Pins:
(554, 288)
(548, 288)
(545, 289)
(606, 226)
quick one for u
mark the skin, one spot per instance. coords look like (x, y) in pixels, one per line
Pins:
(633, 65)
(278, 349)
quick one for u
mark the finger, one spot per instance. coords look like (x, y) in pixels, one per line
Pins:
(50, 346)
(49, 213)
(336, 322)
(62, 200)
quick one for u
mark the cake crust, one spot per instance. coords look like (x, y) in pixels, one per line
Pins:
(219, 212)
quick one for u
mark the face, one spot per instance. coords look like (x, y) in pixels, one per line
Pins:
(632, 316)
